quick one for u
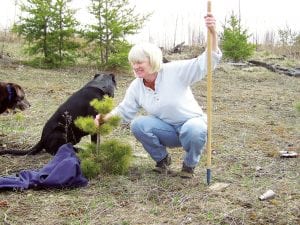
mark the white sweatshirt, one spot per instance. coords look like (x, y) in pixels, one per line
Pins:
(172, 101)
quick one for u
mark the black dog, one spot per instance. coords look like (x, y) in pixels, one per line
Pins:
(60, 128)
(12, 96)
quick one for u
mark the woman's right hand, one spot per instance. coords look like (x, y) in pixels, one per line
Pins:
(97, 120)
(101, 119)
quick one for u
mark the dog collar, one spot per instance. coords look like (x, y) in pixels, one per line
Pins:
(10, 91)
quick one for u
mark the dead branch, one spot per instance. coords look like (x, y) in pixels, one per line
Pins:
(178, 48)
(276, 68)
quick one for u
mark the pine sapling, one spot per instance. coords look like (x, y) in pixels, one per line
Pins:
(88, 125)
(114, 156)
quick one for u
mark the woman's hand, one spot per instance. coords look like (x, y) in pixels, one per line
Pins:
(210, 23)
(101, 119)
(97, 120)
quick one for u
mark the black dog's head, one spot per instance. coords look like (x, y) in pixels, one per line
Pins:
(104, 82)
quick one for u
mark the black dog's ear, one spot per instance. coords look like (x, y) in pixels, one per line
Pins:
(107, 83)
(96, 75)
(113, 77)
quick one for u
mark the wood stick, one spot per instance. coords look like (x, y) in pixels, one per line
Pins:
(209, 98)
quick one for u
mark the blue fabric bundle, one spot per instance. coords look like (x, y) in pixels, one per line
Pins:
(63, 171)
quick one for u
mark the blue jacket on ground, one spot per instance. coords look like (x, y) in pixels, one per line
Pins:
(63, 171)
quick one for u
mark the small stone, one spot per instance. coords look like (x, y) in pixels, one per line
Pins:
(218, 186)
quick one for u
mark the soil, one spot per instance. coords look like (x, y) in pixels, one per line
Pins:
(254, 118)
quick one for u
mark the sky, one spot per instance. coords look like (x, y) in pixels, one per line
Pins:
(186, 16)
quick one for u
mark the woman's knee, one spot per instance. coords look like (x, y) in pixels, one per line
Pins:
(194, 128)
(135, 125)
(139, 124)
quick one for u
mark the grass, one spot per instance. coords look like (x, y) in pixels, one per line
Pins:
(254, 117)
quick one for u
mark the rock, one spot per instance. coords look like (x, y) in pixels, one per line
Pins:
(218, 186)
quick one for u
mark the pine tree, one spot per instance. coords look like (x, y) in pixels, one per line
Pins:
(234, 41)
(48, 27)
(63, 30)
(114, 20)
(35, 26)
(111, 156)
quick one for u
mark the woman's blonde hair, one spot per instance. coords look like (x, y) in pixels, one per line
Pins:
(144, 51)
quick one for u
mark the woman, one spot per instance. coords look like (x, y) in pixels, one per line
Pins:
(163, 90)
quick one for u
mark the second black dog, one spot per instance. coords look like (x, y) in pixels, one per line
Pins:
(60, 128)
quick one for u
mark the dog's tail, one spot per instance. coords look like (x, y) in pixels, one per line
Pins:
(34, 150)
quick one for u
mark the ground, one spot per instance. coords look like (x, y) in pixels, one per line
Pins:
(254, 117)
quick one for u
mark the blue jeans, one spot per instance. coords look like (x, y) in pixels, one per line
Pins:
(156, 135)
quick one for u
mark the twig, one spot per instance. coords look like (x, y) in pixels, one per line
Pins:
(5, 220)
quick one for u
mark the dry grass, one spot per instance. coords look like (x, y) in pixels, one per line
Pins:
(254, 118)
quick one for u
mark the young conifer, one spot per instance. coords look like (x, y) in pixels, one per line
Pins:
(113, 156)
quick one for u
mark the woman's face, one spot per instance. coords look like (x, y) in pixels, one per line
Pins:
(142, 69)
